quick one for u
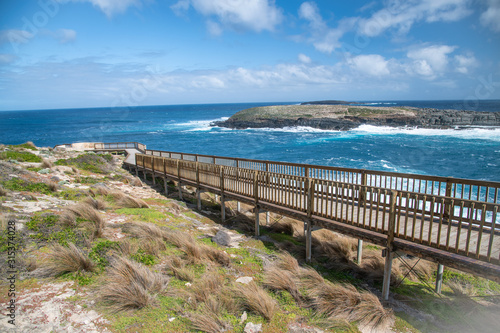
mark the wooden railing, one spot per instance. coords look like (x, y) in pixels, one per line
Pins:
(384, 203)
(476, 190)
(120, 145)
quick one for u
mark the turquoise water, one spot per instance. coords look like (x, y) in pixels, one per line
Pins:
(472, 153)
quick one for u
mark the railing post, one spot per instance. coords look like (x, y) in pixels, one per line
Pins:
(179, 179)
(222, 196)
(390, 247)
(309, 189)
(447, 207)
(153, 169)
(362, 190)
(256, 197)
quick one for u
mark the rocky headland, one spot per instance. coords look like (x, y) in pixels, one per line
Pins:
(345, 117)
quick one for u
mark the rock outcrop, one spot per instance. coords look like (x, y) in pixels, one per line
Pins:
(343, 117)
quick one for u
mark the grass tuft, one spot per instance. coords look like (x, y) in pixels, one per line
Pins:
(130, 285)
(256, 299)
(67, 259)
(126, 201)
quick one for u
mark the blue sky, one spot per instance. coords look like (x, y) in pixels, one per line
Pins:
(99, 53)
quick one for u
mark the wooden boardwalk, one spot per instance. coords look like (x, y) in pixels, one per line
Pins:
(450, 221)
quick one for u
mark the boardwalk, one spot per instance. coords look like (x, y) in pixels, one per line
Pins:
(446, 220)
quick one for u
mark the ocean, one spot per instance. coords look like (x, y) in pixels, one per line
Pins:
(472, 153)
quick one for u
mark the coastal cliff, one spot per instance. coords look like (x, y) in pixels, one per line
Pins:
(346, 117)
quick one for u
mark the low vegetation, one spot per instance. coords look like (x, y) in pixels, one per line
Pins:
(148, 263)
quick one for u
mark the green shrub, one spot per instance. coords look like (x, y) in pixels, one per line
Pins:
(18, 184)
(88, 162)
(99, 252)
(143, 257)
(46, 229)
(20, 156)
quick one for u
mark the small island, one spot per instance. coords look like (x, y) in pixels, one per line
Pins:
(345, 116)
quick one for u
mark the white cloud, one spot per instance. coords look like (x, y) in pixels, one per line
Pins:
(111, 7)
(304, 59)
(7, 58)
(430, 60)
(491, 17)
(323, 38)
(15, 36)
(214, 28)
(256, 15)
(371, 64)
(63, 36)
(401, 15)
(464, 63)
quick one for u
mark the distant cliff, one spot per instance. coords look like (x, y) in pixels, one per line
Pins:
(346, 117)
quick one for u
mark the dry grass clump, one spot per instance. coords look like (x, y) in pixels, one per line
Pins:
(127, 248)
(126, 201)
(68, 259)
(130, 285)
(345, 302)
(152, 246)
(136, 182)
(208, 318)
(279, 279)
(209, 284)
(215, 255)
(372, 268)
(332, 246)
(254, 298)
(177, 267)
(282, 227)
(96, 203)
(145, 230)
(46, 164)
(30, 144)
(84, 211)
(99, 190)
(3, 192)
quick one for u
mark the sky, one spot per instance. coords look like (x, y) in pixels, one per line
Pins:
(104, 53)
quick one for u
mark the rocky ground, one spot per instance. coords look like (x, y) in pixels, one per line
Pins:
(345, 117)
(95, 249)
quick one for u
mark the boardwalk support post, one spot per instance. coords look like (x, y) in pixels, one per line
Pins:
(360, 251)
(268, 218)
(198, 199)
(256, 211)
(165, 183)
(390, 246)
(439, 278)
(238, 206)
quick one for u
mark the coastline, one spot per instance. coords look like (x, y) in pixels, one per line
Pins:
(343, 117)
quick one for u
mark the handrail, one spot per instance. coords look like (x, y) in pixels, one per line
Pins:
(460, 226)
(478, 190)
(120, 145)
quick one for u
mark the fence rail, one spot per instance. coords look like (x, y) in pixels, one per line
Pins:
(476, 190)
(436, 219)
(120, 145)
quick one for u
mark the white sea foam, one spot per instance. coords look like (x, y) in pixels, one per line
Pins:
(485, 133)
(200, 125)
(294, 129)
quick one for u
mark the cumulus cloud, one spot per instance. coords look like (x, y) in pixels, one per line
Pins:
(324, 38)
(256, 15)
(304, 59)
(63, 36)
(491, 17)
(401, 15)
(430, 60)
(464, 63)
(370, 64)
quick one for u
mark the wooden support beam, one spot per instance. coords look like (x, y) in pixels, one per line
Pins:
(360, 251)
(439, 278)
(165, 183)
(256, 211)
(238, 206)
(308, 235)
(387, 274)
(268, 218)
(222, 208)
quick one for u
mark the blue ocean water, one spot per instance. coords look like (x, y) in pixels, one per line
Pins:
(472, 153)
